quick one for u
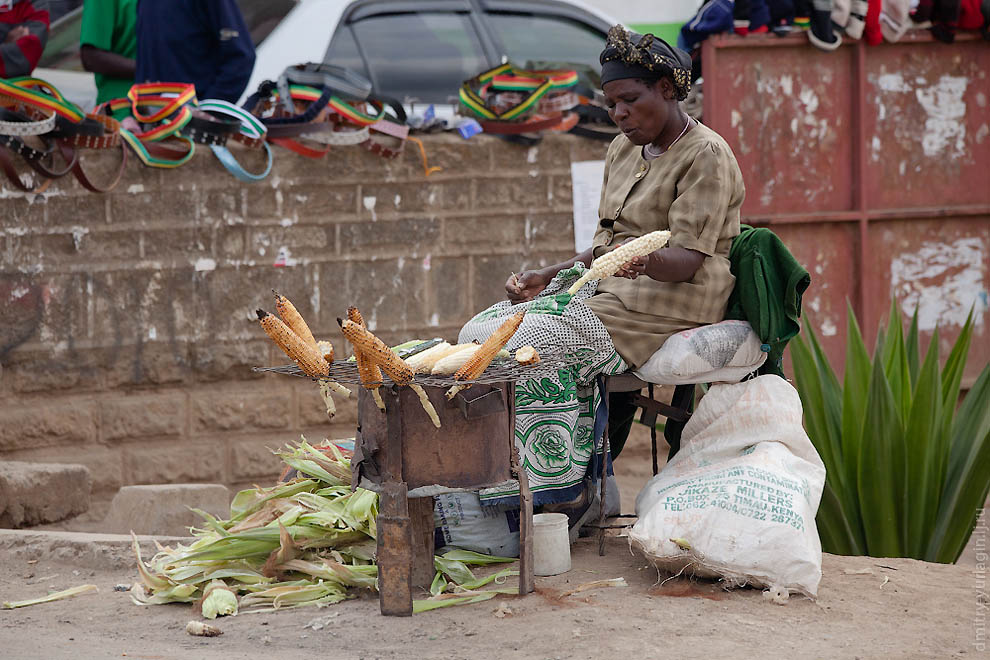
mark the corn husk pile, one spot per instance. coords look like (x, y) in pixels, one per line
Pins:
(310, 541)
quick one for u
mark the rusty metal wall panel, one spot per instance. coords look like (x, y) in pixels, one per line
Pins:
(928, 124)
(786, 111)
(873, 165)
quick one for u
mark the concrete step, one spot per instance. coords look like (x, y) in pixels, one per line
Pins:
(163, 509)
(38, 493)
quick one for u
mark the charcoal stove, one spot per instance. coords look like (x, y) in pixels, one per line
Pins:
(400, 454)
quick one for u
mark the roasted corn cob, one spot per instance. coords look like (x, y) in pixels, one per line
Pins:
(610, 262)
(478, 362)
(376, 351)
(455, 360)
(294, 319)
(326, 350)
(368, 371)
(527, 355)
(306, 356)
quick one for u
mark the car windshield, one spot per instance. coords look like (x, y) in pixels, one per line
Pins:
(62, 49)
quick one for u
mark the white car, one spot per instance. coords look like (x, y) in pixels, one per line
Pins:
(414, 51)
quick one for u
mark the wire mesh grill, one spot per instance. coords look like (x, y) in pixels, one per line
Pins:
(552, 359)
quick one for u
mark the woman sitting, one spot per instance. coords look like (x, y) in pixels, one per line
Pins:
(666, 171)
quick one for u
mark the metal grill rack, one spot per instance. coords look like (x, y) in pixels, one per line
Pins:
(500, 370)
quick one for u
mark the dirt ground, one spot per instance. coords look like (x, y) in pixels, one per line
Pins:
(867, 608)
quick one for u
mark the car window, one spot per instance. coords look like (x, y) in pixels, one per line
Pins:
(261, 16)
(533, 38)
(421, 56)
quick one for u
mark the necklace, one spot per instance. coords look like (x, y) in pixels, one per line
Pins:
(650, 153)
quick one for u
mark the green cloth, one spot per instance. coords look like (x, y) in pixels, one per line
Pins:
(110, 25)
(769, 286)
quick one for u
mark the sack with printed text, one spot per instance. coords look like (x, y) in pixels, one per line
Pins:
(739, 500)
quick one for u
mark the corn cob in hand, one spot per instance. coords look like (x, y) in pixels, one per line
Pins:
(610, 262)
(304, 355)
(477, 363)
(295, 321)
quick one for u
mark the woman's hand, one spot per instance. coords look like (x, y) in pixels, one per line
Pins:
(526, 285)
(668, 264)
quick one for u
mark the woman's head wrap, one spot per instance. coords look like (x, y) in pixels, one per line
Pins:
(629, 55)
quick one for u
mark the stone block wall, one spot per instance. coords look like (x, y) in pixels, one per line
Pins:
(127, 331)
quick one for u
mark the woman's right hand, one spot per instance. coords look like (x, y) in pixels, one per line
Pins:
(526, 285)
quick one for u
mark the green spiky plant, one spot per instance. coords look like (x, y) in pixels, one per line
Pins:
(908, 468)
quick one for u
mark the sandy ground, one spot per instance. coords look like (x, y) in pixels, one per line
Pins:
(867, 608)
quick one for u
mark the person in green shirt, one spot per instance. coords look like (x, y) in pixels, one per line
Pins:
(108, 45)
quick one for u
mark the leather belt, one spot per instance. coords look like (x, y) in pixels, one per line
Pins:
(18, 124)
(250, 130)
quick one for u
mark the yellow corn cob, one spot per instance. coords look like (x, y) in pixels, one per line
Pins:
(478, 362)
(293, 319)
(307, 357)
(610, 262)
(454, 361)
(376, 351)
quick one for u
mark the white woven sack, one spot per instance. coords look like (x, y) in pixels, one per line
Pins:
(723, 352)
(739, 500)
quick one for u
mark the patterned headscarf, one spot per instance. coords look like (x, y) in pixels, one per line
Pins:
(630, 55)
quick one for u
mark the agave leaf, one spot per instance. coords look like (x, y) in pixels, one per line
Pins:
(811, 390)
(895, 363)
(856, 382)
(913, 348)
(968, 478)
(923, 480)
(881, 460)
(833, 524)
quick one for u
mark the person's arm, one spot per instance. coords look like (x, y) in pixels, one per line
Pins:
(528, 284)
(236, 52)
(97, 60)
(24, 43)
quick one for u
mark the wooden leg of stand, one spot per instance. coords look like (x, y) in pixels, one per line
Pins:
(421, 516)
(604, 485)
(653, 437)
(526, 581)
(395, 551)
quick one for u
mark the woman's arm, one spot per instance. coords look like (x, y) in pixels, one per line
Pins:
(528, 284)
(668, 264)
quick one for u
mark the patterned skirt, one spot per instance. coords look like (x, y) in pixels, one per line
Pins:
(555, 415)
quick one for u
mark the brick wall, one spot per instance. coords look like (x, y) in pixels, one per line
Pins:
(126, 331)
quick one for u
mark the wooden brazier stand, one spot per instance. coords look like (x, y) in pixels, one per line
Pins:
(400, 454)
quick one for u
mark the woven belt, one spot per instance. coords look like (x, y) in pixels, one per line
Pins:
(41, 95)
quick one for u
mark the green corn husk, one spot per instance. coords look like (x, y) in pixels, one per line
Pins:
(306, 542)
(58, 595)
(218, 600)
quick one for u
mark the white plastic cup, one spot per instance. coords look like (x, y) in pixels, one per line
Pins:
(551, 544)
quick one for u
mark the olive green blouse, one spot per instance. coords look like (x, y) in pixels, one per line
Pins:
(695, 190)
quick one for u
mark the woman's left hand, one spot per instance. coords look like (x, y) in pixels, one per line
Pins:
(638, 266)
